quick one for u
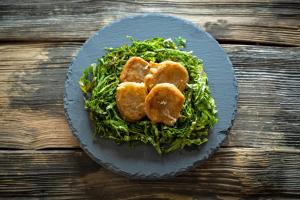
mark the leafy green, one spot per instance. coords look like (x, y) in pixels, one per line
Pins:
(180, 42)
(99, 82)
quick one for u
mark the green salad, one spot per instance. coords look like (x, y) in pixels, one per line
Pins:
(100, 81)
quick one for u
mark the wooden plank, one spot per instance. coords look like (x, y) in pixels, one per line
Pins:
(261, 21)
(66, 174)
(32, 83)
(269, 96)
(31, 98)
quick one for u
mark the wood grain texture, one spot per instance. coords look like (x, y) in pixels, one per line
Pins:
(243, 172)
(40, 158)
(32, 78)
(260, 21)
(31, 96)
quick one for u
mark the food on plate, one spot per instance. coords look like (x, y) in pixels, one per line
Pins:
(164, 103)
(130, 98)
(135, 70)
(164, 81)
(168, 72)
(175, 111)
(153, 65)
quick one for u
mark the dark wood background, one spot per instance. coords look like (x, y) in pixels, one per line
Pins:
(39, 157)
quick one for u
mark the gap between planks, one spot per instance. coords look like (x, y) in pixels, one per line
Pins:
(81, 41)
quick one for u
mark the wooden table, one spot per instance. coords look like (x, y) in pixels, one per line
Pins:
(40, 158)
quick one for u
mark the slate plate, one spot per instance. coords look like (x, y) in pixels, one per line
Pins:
(142, 161)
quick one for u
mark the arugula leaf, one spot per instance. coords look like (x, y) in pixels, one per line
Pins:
(180, 42)
(99, 82)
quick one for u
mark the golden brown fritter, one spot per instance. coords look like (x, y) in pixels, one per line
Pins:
(153, 64)
(135, 70)
(153, 67)
(164, 103)
(168, 72)
(130, 100)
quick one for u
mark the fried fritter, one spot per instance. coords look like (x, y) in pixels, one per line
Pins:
(164, 103)
(153, 64)
(168, 72)
(130, 98)
(135, 70)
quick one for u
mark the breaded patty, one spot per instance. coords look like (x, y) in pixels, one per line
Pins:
(130, 98)
(164, 103)
(168, 72)
(135, 70)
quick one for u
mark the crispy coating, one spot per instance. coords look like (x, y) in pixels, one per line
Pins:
(164, 103)
(135, 70)
(168, 72)
(153, 64)
(130, 98)
(153, 67)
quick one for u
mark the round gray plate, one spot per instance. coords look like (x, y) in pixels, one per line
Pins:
(143, 161)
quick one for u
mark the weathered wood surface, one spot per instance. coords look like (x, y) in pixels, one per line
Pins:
(230, 172)
(32, 84)
(262, 21)
(39, 157)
